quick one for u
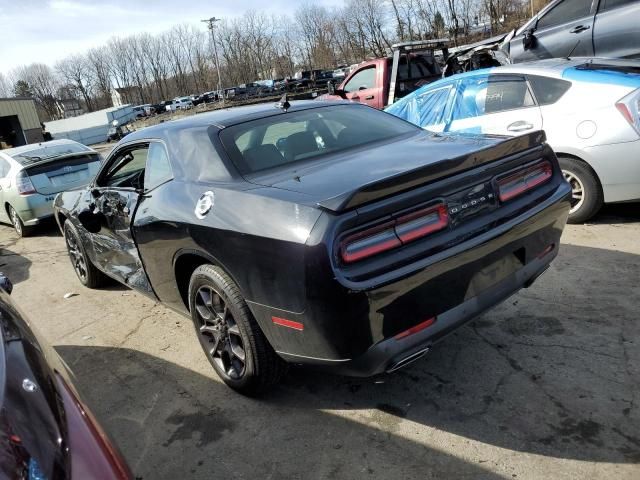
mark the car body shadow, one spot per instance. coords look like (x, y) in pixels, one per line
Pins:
(172, 422)
(15, 266)
(617, 213)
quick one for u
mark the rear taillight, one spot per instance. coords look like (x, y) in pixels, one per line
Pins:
(92, 454)
(23, 184)
(629, 107)
(395, 233)
(521, 181)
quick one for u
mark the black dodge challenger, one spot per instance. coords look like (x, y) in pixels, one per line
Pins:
(317, 233)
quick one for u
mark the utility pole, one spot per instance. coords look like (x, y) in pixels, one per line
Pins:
(211, 24)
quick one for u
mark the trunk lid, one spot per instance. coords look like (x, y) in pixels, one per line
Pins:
(65, 172)
(351, 179)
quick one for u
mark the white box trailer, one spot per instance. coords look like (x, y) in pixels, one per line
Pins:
(90, 128)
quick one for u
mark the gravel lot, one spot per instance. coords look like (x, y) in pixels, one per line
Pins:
(544, 386)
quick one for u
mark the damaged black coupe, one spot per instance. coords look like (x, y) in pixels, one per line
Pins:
(317, 233)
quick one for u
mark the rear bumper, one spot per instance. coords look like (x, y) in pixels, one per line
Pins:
(33, 208)
(618, 168)
(392, 353)
(353, 331)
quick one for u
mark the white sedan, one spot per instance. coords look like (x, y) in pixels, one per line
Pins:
(588, 108)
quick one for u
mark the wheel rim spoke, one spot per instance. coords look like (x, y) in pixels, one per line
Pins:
(219, 333)
(577, 190)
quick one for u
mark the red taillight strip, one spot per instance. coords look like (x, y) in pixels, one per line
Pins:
(416, 328)
(287, 323)
(523, 180)
(394, 233)
(422, 223)
(354, 249)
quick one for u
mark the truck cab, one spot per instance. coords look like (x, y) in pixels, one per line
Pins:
(381, 81)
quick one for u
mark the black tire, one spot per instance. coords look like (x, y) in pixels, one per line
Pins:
(229, 335)
(86, 272)
(587, 192)
(18, 224)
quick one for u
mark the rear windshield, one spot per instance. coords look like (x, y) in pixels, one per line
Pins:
(282, 140)
(45, 152)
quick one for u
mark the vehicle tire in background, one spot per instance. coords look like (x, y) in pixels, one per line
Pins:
(229, 335)
(87, 273)
(587, 197)
(18, 225)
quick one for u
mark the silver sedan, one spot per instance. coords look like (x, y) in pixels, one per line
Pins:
(32, 175)
(589, 109)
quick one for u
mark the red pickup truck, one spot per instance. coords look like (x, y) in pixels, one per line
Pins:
(381, 81)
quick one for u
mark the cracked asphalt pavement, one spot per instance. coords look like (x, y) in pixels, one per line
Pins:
(545, 385)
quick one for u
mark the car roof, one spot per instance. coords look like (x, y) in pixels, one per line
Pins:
(550, 67)
(36, 146)
(226, 117)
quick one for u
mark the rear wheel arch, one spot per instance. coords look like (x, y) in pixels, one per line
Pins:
(185, 263)
(61, 218)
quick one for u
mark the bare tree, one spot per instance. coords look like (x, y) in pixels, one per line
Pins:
(75, 70)
(5, 87)
(42, 83)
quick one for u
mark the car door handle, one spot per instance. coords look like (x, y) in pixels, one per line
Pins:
(520, 126)
(579, 28)
(369, 97)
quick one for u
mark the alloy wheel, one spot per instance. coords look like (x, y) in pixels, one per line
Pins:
(219, 334)
(15, 219)
(77, 256)
(577, 190)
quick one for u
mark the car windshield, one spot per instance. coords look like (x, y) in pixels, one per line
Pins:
(281, 140)
(46, 152)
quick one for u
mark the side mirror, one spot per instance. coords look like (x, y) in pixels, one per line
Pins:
(529, 39)
(331, 88)
(5, 283)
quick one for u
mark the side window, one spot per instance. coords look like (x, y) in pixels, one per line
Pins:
(4, 167)
(158, 169)
(611, 4)
(506, 94)
(548, 90)
(430, 106)
(362, 80)
(490, 94)
(564, 12)
(126, 170)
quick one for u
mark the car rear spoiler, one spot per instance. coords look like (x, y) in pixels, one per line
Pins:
(66, 156)
(420, 176)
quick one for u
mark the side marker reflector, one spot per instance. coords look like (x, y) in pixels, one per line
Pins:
(283, 322)
(547, 250)
(416, 328)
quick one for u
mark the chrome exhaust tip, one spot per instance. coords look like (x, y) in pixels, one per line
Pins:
(409, 359)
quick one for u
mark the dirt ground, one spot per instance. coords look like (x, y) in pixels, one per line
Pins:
(545, 385)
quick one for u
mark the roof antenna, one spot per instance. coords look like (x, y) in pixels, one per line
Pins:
(283, 104)
(573, 50)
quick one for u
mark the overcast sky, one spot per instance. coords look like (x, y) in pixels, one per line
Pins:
(48, 30)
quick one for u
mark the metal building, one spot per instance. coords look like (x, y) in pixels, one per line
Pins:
(19, 122)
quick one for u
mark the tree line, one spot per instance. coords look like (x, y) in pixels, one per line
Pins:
(254, 46)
